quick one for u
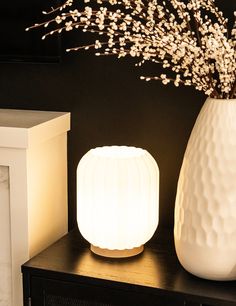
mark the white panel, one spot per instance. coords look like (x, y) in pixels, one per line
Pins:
(5, 238)
(32, 147)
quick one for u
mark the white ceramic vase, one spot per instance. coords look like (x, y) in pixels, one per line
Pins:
(205, 208)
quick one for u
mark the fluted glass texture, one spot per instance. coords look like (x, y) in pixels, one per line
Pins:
(117, 197)
(205, 208)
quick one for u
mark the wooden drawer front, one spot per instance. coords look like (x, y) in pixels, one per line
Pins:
(55, 300)
(45, 292)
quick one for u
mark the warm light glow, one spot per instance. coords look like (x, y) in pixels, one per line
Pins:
(117, 197)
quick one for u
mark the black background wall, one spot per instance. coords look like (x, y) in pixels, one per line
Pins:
(109, 105)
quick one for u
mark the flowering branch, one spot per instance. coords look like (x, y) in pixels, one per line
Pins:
(188, 38)
(233, 91)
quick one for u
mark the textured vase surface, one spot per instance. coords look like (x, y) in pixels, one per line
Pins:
(205, 208)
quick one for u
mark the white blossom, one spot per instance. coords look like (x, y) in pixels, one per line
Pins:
(189, 39)
(69, 26)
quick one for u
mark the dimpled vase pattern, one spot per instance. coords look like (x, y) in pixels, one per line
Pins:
(205, 208)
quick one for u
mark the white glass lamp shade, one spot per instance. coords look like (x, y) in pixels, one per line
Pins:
(117, 199)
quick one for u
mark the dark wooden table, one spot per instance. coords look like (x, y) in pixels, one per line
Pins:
(68, 274)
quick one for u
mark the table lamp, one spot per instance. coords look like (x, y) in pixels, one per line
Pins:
(117, 199)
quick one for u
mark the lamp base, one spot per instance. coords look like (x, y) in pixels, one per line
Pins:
(116, 253)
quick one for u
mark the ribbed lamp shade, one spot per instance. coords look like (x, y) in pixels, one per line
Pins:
(117, 199)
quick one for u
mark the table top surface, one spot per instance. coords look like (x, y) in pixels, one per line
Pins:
(156, 269)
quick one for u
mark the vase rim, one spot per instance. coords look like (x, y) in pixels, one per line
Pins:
(216, 99)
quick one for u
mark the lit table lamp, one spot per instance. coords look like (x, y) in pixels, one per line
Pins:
(117, 199)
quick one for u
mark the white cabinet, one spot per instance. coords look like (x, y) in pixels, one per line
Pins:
(5, 250)
(33, 191)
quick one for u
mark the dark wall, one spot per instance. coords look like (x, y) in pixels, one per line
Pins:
(109, 105)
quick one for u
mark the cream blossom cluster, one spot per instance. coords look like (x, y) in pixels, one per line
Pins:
(190, 39)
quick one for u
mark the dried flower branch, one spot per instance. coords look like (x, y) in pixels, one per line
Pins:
(189, 39)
